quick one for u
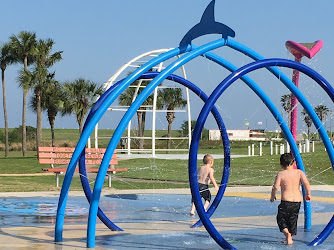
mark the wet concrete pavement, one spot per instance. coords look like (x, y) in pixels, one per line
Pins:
(157, 219)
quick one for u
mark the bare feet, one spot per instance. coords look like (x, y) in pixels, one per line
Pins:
(288, 236)
(289, 240)
(192, 213)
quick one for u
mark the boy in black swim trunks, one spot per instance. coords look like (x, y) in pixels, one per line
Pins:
(205, 175)
(289, 180)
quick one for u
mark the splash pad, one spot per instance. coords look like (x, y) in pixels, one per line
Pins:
(187, 52)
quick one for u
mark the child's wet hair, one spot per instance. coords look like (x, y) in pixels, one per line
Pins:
(286, 159)
(207, 158)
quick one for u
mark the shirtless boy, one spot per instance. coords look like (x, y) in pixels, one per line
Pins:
(289, 180)
(205, 175)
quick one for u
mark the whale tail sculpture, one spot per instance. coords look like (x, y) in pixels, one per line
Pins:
(207, 25)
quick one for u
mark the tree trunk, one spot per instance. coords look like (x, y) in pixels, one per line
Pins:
(308, 132)
(170, 118)
(39, 121)
(169, 141)
(321, 118)
(80, 127)
(143, 118)
(24, 120)
(5, 111)
(24, 111)
(52, 125)
(140, 134)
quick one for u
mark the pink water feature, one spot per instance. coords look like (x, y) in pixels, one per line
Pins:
(299, 50)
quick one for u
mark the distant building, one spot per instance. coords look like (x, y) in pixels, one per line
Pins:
(239, 134)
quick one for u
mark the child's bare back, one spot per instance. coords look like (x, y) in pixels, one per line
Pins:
(289, 180)
(205, 174)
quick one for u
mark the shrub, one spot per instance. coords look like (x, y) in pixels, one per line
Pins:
(184, 130)
(2, 136)
(2, 146)
(16, 134)
(16, 146)
(66, 144)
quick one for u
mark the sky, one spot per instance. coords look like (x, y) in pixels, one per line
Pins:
(98, 37)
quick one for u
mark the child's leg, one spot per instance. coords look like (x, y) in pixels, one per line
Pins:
(206, 204)
(288, 236)
(192, 211)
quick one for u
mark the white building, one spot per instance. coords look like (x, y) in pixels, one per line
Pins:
(239, 135)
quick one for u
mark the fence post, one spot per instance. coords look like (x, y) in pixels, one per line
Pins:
(307, 145)
(271, 148)
(287, 147)
(260, 153)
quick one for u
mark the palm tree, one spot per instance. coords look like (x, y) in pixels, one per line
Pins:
(43, 60)
(23, 49)
(126, 99)
(286, 104)
(307, 119)
(81, 94)
(52, 101)
(5, 59)
(321, 111)
(171, 98)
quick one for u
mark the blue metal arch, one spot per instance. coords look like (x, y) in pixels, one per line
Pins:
(250, 83)
(122, 126)
(213, 98)
(197, 91)
(82, 167)
(89, 129)
(217, 199)
(64, 193)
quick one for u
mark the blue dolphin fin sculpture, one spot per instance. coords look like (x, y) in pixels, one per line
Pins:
(207, 25)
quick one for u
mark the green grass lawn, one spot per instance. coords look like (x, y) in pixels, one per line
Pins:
(157, 173)
(258, 170)
(71, 136)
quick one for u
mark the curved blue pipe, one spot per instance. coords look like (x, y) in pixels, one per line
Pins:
(89, 129)
(284, 128)
(122, 126)
(286, 81)
(182, 49)
(197, 91)
(178, 63)
(324, 234)
(219, 195)
(216, 94)
(82, 167)
(250, 83)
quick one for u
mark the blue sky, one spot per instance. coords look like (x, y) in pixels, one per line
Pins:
(98, 37)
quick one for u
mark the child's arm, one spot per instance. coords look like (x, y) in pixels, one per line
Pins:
(275, 188)
(306, 185)
(212, 178)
